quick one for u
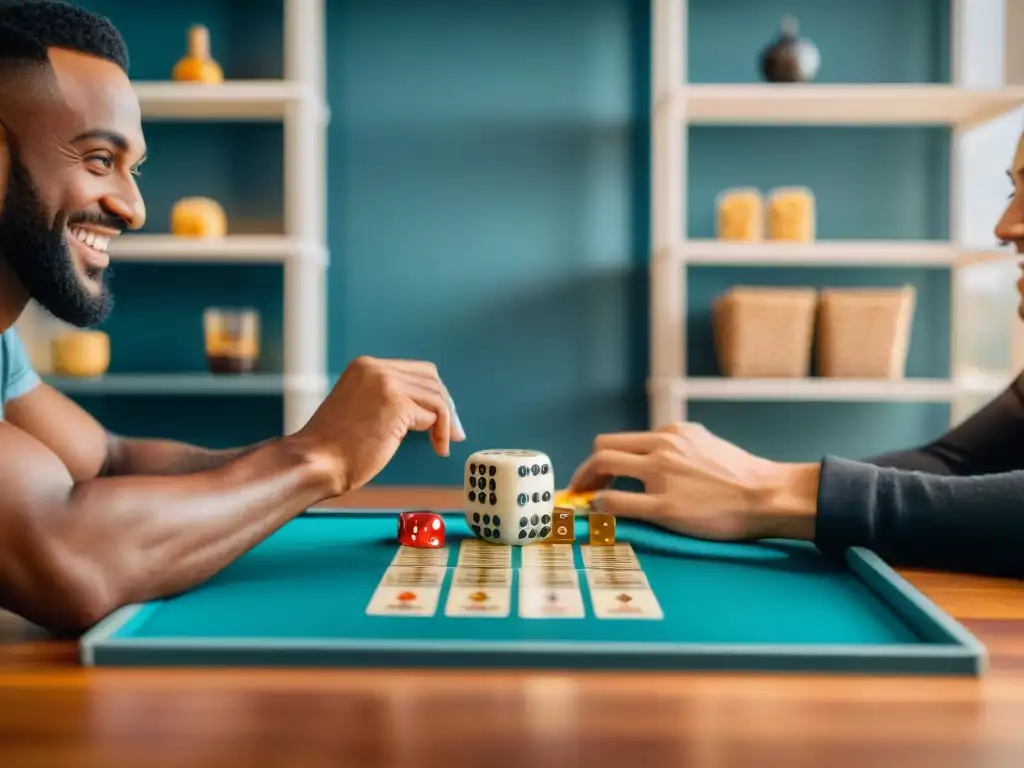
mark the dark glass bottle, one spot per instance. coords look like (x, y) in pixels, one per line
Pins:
(790, 58)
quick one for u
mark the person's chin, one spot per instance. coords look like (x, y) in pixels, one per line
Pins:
(95, 279)
(90, 283)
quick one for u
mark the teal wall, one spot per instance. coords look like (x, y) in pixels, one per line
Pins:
(488, 206)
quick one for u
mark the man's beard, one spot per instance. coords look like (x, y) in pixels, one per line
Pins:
(39, 255)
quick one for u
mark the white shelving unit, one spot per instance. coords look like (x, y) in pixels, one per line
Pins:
(895, 104)
(299, 101)
(973, 100)
(272, 249)
(830, 390)
(239, 100)
(851, 253)
(166, 384)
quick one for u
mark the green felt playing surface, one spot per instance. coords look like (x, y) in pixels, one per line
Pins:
(313, 579)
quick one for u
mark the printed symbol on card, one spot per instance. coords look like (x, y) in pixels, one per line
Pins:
(553, 604)
(624, 606)
(463, 602)
(406, 601)
(480, 601)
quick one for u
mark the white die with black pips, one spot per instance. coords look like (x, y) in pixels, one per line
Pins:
(510, 495)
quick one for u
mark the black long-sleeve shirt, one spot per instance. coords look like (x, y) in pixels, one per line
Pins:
(955, 504)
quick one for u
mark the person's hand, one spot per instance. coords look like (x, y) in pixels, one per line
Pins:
(373, 406)
(700, 485)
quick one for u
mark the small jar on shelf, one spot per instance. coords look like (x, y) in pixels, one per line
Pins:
(740, 214)
(791, 215)
(232, 340)
(81, 353)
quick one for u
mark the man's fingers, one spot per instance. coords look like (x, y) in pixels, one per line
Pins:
(426, 375)
(419, 366)
(596, 471)
(420, 419)
(433, 402)
(641, 506)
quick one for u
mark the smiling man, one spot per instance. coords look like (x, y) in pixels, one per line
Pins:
(90, 521)
(82, 143)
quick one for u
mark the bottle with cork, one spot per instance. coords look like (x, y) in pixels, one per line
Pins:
(197, 66)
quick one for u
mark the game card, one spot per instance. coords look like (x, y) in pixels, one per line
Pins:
(548, 556)
(473, 561)
(619, 556)
(545, 578)
(626, 604)
(551, 603)
(479, 602)
(408, 590)
(404, 601)
(413, 576)
(413, 556)
(480, 554)
(482, 577)
(617, 579)
(471, 544)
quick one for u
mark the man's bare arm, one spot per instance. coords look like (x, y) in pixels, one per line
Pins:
(150, 456)
(73, 551)
(89, 450)
(75, 544)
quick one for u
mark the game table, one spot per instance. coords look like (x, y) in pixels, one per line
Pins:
(55, 712)
(317, 594)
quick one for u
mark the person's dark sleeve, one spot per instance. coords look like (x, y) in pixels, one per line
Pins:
(911, 518)
(990, 441)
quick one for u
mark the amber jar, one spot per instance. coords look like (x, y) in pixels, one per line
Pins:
(232, 339)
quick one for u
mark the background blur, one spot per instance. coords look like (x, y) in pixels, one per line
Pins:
(489, 209)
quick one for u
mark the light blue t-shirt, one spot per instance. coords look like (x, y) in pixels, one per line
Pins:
(17, 377)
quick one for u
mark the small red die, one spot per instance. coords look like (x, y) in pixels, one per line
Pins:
(421, 528)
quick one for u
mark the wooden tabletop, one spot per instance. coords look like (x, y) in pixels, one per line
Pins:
(55, 714)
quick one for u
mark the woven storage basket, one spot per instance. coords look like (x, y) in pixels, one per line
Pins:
(764, 332)
(864, 333)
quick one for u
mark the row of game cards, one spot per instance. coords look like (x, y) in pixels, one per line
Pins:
(549, 583)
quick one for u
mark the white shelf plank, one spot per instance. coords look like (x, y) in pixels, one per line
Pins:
(230, 249)
(838, 253)
(812, 104)
(231, 100)
(193, 384)
(827, 390)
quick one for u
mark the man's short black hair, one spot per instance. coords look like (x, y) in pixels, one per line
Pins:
(29, 28)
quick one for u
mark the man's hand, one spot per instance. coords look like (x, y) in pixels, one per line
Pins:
(374, 405)
(76, 546)
(700, 485)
